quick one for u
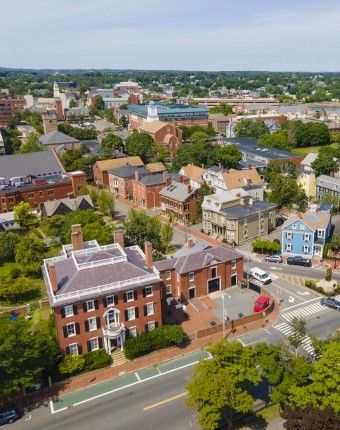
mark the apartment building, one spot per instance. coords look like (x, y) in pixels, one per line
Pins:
(100, 295)
(179, 201)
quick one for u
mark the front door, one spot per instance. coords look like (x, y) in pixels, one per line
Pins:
(213, 285)
(192, 293)
(233, 280)
(114, 344)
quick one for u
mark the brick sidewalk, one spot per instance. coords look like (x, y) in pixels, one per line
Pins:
(153, 359)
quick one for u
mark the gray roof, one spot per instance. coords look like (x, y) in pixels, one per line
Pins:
(329, 182)
(197, 246)
(31, 164)
(242, 211)
(198, 260)
(177, 191)
(127, 171)
(153, 179)
(57, 138)
(72, 203)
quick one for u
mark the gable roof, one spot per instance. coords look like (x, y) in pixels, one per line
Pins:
(127, 171)
(193, 172)
(57, 138)
(72, 203)
(239, 178)
(177, 191)
(155, 167)
(114, 163)
(197, 260)
(153, 126)
(313, 220)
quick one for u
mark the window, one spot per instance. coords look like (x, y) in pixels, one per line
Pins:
(321, 233)
(90, 305)
(73, 349)
(131, 314)
(70, 329)
(294, 226)
(306, 237)
(302, 227)
(233, 264)
(50, 192)
(149, 309)
(93, 344)
(289, 235)
(130, 296)
(151, 325)
(289, 247)
(213, 272)
(133, 331)
(168, 290)
(112, 318)
(191, 276)
(168, 274)
(92, 324)
(110, 300)
(68, 310)
(306, 249)
(148, 291)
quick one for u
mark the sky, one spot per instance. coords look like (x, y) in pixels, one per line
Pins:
(289, 35)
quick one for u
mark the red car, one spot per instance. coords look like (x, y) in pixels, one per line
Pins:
(261, 304)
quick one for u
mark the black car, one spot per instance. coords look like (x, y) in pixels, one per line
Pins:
(331, 302)
(299, 261)
(8, 416)
(279, 221)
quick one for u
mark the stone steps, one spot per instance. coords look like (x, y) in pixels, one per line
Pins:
(118, 357)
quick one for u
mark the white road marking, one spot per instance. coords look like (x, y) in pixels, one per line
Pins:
(137, 376)
(304, 293)
(29, 418)
(288, 292)
(306, 342)
(304, 311)
(301, 304)
(291, 299)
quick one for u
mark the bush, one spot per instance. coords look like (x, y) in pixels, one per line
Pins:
(156, 339)
(71, 364)
(97, 359)
(266, 246)
(328, 274)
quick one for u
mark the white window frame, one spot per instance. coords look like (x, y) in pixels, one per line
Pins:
(68, 310)
(148, 305)
(68, 326)
(151, 325)
(87, 305)
(109, 299)
(168, 274)
(306, 249)
(233, 264)
(321, 233)
(289, 235)
(133, 296)
(146, 289)
(289, 247)
(306, 237)
(134, 313)
(133, 331)
(75, 351)
(294, 226)
(302, 227)
(94, 326)
(191, 276)
(92, 340)
(168, 289)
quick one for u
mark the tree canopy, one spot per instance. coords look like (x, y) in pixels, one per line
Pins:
(325, 164)
(141, 144)
(32, 144)
(29, 253)
(254, 129)
(23, 215)
(304, 134)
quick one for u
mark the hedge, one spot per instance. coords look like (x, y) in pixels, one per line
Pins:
(312, 285)
(159, 338)
(75, 364)
(266, 247)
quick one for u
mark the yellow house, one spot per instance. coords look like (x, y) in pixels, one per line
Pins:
(306, 179)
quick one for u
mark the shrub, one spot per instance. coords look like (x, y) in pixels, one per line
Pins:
(71, 364)
(156, 339)
(310, 284)
(328, 274)
(97, 359)
(266, 246)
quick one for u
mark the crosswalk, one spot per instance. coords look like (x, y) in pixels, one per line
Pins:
(306, 343)
(304, 311)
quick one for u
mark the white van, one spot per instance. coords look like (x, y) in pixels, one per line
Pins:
(260, 275)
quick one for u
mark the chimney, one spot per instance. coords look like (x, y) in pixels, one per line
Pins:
(167, 181)
(70, 195)
(189, 188)
(148, 255)
(77, 237)
(136, 175)
(165, 175)
(52, 274)
(190, 242)
(118, 237)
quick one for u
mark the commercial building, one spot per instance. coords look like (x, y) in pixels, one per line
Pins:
(179, 201)
(35, 177)
(163, 133)
(100, 295)
(219, 122)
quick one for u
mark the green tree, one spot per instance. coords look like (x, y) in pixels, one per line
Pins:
(310, 418)
(32, 144)
(167, 234)
(29, 253)
(19, 290)
(23, 215)
(223, 108)
(199, 136)
(274, 167)
(72, 103)
(123, 121)
(71, 364)
(97, 104)
(105, 202)
(254, 129)
(307, 134)
(109, 143)
(299, 331)
(325, 164)
(284, 191)
(278, 139)
(8, 242)
(140, 144)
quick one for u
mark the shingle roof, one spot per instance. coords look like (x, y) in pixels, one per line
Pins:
(114, 163)
(155, 167)
(242, 211)
(177, 191)
(313, 220)
(127, 171)
(240, 178)
(72, 203)
(193, 172)
(30, 164)
(153, 179)
(57, 138)
(153, 126)
(198, 260)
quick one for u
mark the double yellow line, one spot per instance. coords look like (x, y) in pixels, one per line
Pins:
(163, 402)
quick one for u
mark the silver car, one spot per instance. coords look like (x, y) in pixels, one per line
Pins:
(274, 258)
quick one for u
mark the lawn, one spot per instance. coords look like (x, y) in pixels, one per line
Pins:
(305, 151)
(40, 315)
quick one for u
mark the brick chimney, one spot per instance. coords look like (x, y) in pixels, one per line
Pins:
(77, 237)
(148, 255)
(190, 242)
(59, 110)
(52, 274)
(189, 188)
(118, 237)
(136, 175)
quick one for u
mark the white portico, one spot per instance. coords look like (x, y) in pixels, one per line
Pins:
(114, 331)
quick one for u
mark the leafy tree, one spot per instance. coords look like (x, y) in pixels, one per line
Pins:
(23, 215)
(274, 167)
(109, 143)
(8, 242)
(105, 202)
(140, 144)
(29, 253)
(278, 139)
(307, 134)
(77, 132)
(325, 164)
(198, 137)
(310, 418)
(76, 159)
(299, 331)
(167, 234)
(123, 121)
(97, 103)
(223, 108)
(188, 131)
(284, 191)
(334, 244)
(71, 364)
(32, 144)
(19, 290)
(254, 129)
(72, 103)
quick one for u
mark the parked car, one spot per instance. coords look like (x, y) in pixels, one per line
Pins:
(299, 261)
(261, 304)
(8, 416)
(260, 275)
(331, 302)
(273, 258)
(280, 220)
